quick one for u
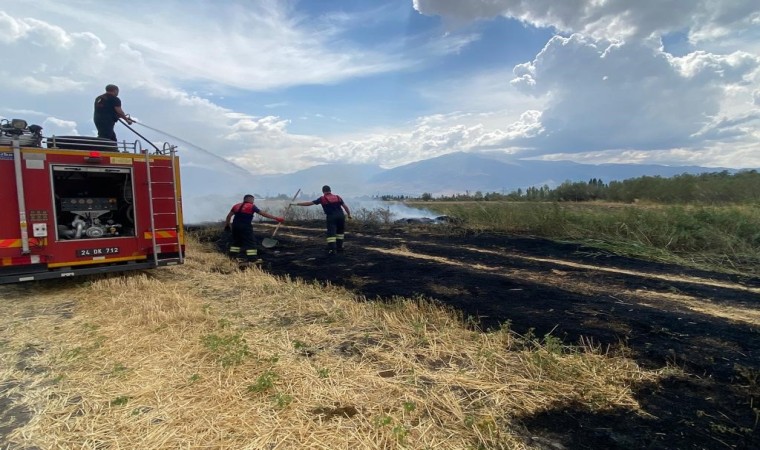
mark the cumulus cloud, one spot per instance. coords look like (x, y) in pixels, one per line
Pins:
(606, 94)
(727, 129)
(59, 127)
(609, 85)
(427, 137)
(264, 145)
(49, 52)
(705, 19)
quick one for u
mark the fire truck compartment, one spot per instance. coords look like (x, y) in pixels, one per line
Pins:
(93, 202)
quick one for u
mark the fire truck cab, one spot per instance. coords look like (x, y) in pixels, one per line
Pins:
(77, 205)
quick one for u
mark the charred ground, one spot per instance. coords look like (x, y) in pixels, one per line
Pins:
(661, 315)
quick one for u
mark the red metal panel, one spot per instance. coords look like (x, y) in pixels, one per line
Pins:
(9, 219)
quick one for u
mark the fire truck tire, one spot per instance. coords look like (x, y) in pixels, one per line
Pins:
(82, 143)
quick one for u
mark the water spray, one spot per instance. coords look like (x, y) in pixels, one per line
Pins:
(207, 152)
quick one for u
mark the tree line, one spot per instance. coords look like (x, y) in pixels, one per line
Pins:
(715, 187)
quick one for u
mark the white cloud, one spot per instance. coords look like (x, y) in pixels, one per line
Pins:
(25, 112)
(48, 52)
(48, 91)
(603, 95)
(736, 156)
(484, 91)
(259, 45)
(611, 87)
(44, 84)
(59, 127)
(451, 43)
(428, 137)
(705, 19)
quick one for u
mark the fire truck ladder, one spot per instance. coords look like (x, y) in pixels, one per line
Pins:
(179, 258)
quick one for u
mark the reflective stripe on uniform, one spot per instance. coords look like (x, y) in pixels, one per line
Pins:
(234, 249)
(251, 252)
(332, 239)
(340, 236)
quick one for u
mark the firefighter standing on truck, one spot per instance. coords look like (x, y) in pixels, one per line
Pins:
(243, 241)
(108, 111)
(333, 207)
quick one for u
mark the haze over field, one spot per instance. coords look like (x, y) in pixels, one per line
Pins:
(280, 86)
(454, 173)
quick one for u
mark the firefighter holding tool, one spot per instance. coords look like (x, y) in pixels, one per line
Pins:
(243, 241)
(333, 206)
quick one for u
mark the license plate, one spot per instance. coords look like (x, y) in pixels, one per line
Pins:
(103, 251)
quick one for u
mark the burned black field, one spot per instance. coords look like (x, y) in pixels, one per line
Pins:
(703, 325)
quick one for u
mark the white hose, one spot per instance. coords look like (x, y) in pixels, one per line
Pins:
(79, 224)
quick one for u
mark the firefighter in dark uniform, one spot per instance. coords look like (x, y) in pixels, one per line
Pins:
(243, 241)
(333, 207)
(107, 112)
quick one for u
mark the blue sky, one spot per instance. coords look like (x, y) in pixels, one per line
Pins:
(277, 85)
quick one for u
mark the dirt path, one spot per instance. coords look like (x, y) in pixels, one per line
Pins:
(707, 324)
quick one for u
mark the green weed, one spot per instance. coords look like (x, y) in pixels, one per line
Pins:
(282, 400)
(400, 431)
(120, 400)
(230, 349)
(383, 421)
(119, 369)
(74, 353)
(263, 383)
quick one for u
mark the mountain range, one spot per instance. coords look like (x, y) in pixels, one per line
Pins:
(448, 174)
(209, 191)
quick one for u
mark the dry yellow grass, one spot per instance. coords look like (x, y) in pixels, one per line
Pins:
(206, 356)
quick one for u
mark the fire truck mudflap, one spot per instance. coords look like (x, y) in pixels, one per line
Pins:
(71, 212)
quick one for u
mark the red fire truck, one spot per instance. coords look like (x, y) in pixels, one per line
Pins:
(77, 205)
